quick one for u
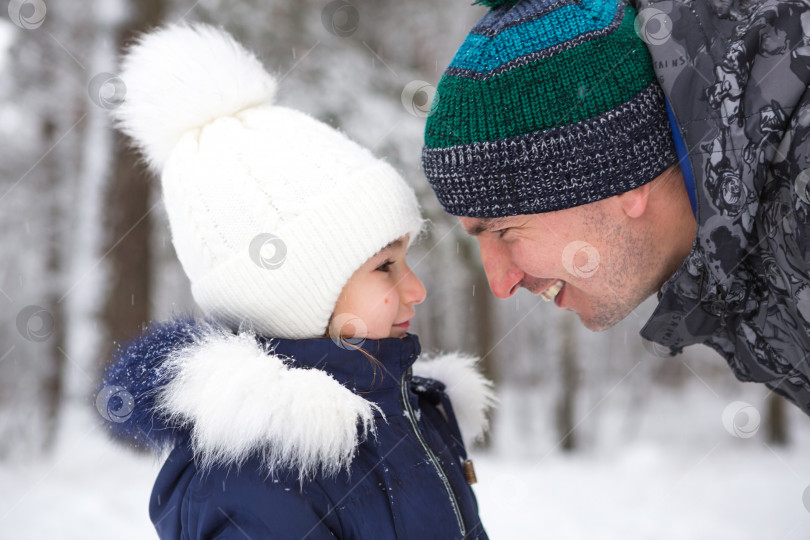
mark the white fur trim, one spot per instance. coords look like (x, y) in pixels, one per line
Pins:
(182, 77)
(470, 392)
(238, 398)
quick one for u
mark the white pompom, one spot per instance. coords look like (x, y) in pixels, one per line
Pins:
(181, 77)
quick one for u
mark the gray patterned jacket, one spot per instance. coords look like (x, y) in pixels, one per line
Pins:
(736, 73)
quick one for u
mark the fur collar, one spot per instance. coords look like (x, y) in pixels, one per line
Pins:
(232, 398)
(470, 393)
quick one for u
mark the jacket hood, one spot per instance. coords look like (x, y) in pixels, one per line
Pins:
(296, 403)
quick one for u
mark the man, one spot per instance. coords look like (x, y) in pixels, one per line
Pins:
(600, 153)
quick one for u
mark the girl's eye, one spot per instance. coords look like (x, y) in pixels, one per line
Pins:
(385, 267)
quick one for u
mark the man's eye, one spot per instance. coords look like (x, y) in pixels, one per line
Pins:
(501, 232)
(385, 267)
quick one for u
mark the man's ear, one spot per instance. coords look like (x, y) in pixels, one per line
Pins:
(634, 202)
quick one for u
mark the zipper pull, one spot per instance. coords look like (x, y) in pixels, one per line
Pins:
(469, 472)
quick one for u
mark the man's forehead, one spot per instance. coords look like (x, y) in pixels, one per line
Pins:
(475, 226)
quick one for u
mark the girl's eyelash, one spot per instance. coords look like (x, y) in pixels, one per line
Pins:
(384, 266)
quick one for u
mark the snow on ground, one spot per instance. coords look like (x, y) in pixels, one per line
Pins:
(716, 488)
(648, 492)
(88, 489)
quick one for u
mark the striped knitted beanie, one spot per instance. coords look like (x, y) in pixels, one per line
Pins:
(548, 104)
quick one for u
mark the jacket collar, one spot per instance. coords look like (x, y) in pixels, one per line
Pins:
(303, 405)
(348, 364)
(231, 397)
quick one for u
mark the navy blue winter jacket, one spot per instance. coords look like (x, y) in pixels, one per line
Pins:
(298, 438)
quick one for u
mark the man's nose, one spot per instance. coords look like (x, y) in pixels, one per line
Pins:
(503, 276)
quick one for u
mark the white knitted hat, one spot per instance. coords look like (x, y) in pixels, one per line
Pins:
(270, 210)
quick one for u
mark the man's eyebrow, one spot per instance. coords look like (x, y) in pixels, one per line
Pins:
(486, 224)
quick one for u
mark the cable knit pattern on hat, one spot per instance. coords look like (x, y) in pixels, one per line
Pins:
(271, 211)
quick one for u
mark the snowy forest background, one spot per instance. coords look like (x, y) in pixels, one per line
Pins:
(597, 435)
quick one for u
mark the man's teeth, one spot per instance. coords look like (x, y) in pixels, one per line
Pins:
(550, 293)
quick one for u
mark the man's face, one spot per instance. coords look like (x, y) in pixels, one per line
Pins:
(604, 266)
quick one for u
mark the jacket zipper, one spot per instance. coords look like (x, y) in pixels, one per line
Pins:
(406, 404)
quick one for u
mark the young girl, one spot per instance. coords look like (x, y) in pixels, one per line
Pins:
(296, 408)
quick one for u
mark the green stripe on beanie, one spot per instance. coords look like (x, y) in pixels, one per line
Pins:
(550, 106)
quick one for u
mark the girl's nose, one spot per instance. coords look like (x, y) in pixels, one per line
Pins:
(413, 290)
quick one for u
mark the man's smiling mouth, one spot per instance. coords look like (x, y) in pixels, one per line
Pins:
(549, 294)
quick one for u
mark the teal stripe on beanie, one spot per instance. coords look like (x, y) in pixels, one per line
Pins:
(485, 53)
(619, 17)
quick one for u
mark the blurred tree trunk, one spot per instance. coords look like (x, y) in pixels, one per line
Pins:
(484, 320)
(569, 374)
(485, 326)
(485, 332)
(128, 220)
(62, 123)
(39, 177)
(777, 426)
(53, 373)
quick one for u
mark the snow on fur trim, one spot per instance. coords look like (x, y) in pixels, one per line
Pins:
(236, 397)
(470, 392)
(181, 77)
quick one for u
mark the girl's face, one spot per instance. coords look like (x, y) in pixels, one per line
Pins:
(378, 300)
